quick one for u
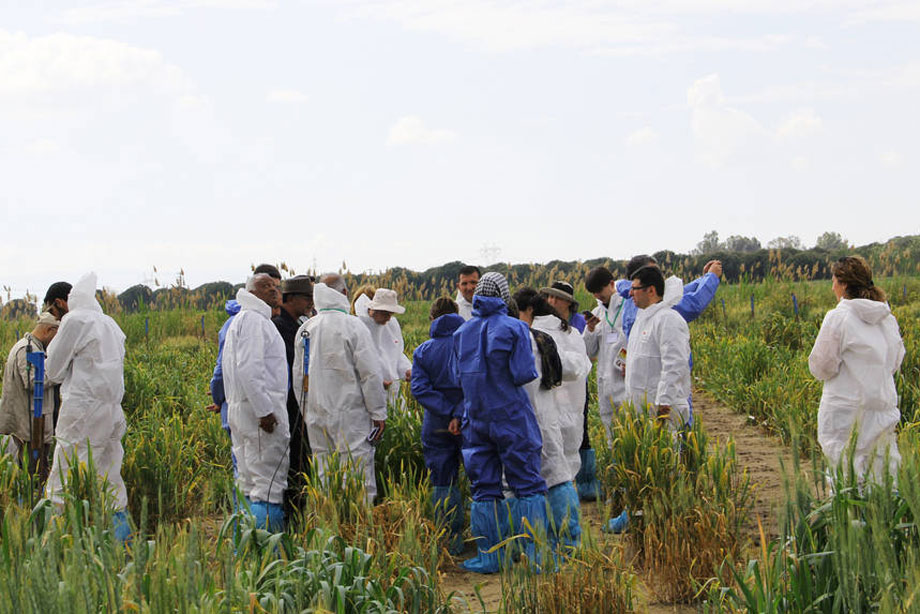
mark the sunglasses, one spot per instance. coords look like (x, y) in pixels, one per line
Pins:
(637, 288)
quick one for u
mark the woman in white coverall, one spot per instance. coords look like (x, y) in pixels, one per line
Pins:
(87, 358)
(345, 400)
(556, 468)
(856, 354)
(377, 315)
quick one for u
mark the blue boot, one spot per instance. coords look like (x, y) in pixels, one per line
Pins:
(588, 487)
(565, 525)
(488, 524)
(618, 524)
(532, 509)
(447, 509)
(269, 516)
(122, 527)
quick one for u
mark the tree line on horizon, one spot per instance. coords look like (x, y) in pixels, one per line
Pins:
(743, 258)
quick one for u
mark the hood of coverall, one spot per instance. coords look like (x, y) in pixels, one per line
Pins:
(488, 305)
(869, 311)
(325, 297)
(83, 294)
(251, 302)
(444, 326)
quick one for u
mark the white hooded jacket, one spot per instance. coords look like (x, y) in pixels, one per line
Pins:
(569, 398)
(389, 342)
(605, 343)
(345, 388)
(658, 356)
(255, 381)
(856, 354)
(87, 357)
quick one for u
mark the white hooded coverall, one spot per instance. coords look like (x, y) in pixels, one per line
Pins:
(856, 354)
(255, 382)
(606, 343)
(569, 398)
(87, 357)
(391, 348)
(345, 388)
(658, 357)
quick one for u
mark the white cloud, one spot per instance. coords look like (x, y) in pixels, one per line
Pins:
(800, 124)
(129, 11)
(287, 97)
(43, 147)
(891, 159)
(411, 130)
(47, 65)
(643, 136)
(800, 163)
(720, 132)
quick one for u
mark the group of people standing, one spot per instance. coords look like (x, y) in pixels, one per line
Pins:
(305, 375)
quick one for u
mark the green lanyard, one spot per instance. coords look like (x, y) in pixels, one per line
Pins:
(334, 309)
(613, 324)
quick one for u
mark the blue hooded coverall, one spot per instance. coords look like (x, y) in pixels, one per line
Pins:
(493, 361)
(436, 389)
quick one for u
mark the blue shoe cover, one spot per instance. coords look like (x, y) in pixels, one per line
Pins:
(533, 509)
(488, 524)
(122, 526)
(447, 509)
(565, 525)
(269, 516)
(618, 524)
(588, 487)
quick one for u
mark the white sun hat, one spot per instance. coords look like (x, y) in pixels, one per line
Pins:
(385, 300)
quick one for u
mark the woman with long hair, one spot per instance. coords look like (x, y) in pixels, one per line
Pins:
(856, 354)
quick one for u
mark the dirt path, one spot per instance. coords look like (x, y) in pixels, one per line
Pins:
(757, 451)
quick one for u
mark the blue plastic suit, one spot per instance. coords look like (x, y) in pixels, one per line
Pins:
(436, 390)
(493, 361)
(218, 397)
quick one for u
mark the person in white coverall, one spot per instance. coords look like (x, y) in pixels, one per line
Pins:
(466, 287)
(344, 397)
(856, 354)
(255, 376)
(553, 351)
(658, 353)
(87, 358)
(377, 315)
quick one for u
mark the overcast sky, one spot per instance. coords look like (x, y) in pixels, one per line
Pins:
(209, 135)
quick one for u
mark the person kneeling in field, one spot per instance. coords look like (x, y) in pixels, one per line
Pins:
(337, 370)
(255, 376)
(856, 354)
(436, 391)
(493, 361)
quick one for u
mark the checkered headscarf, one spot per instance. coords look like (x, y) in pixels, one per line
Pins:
(494, 284)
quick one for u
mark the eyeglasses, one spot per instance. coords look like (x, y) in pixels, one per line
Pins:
(637, 288)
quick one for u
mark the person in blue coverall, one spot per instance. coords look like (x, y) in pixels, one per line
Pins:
(437, 391)
(493, 360)
(697, 296)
